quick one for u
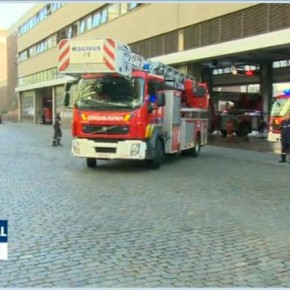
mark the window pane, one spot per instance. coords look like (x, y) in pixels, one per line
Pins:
(132, 5)
(54, 40)
(104, 16)
(112, 12)
(89, 23)
(45, 44)
(49, 42)
(123, 8)
(69, 32)
(82, 26)
(32, 51)
(74, 30)
(96, 19)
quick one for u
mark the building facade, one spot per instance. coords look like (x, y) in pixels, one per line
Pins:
(151, 30)
(3, 70)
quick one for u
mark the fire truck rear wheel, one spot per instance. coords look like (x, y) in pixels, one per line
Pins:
(158, 156)
(196, 149)
(91, 162)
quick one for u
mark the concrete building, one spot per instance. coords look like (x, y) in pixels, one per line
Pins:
(3, 70)
(193, 37)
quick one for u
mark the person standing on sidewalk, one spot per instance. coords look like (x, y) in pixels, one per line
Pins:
(285, 138)
(57, 131)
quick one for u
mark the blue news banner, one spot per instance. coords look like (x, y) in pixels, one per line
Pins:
(3, 239)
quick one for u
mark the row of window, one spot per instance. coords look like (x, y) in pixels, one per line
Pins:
(95, 19)
(275, 64)
(231, 69)
(104, 15)
(40, 16)
(281, 63)
(38, 48)
(43, 76)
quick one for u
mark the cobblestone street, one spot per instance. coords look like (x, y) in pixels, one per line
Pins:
(220, 220)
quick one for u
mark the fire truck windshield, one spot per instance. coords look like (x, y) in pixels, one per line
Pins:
(108, 93)
(277, 107)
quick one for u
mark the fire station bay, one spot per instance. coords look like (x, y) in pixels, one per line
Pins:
(241, 50)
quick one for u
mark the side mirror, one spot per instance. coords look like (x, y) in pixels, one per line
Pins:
(149, 107)
(200, 91)
(67, 86)
(161, 100)
(66, 99)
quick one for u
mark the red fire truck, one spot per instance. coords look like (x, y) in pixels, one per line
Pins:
(279, 109)
(128, 107)
(243, 110)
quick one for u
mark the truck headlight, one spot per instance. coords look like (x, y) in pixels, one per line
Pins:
(135, 149)
(76, 147)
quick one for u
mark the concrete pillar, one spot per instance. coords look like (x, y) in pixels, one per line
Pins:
(181, 40)
(53, 103)
(195, 70)
(206, 77)
(37, 112)
(19, 98)
(266, 87)
(182, 68)
(36, 106)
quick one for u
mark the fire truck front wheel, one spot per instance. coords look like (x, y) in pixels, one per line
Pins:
(158, 156)
(91, 162)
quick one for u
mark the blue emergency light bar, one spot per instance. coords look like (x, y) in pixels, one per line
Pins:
(287, 92)
(153, 99)
(146, 66)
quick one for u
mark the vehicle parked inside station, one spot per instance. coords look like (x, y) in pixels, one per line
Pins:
(243, 111)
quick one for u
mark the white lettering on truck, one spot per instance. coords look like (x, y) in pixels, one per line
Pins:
(85, 48)
(105, 118)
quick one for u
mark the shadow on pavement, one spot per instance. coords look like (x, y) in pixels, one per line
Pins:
(250, 143)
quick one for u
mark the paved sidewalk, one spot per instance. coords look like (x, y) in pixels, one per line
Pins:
(219, 220)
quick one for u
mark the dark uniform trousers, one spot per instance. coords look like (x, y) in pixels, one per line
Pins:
(285, 139)
(57, 133)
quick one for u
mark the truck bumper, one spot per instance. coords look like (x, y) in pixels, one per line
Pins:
(273, 137)
(128, 149)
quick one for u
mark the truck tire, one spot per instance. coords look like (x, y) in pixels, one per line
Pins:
(196, 149)
(244, 129)
(223, 133)
(158, 156)
(91, 162)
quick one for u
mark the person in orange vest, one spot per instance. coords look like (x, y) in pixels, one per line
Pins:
(47, 115)
(230, 128)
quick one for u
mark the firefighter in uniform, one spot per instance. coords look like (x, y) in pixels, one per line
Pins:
(57, 131)
(285, 138)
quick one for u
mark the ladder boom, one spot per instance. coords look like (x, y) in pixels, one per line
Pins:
(106, 55)
(169, 73)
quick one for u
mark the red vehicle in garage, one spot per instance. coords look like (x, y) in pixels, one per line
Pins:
(242, 110)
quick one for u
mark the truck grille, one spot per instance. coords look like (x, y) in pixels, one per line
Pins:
(105, 129)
